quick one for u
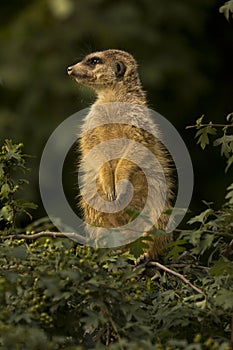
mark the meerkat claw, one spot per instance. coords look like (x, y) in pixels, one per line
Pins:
(110, 196)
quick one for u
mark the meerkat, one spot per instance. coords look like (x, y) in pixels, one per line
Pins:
(120, 113)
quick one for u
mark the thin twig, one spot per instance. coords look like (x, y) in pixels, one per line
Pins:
(184, 279)
(34, 236)
(116, 331)
(203, 125)
(106, 311)
(190, 265)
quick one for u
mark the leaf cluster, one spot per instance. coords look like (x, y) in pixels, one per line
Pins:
(12, 159)
(225, 142)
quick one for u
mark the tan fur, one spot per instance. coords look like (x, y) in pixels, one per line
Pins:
(114, 77)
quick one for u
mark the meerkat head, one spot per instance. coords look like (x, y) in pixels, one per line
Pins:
(105, 69)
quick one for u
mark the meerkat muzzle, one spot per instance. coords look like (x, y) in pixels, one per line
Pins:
(70, 70)
(80, 74)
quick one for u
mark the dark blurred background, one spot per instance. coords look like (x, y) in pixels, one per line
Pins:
(185, 54)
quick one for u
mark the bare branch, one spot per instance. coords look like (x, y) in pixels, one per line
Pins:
(184, 279)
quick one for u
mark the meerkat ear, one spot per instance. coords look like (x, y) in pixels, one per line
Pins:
(120, 69)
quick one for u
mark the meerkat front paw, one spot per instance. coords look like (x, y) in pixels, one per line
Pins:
(110, 195)
(106, 178)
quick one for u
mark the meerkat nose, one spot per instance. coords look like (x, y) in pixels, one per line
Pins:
(69, 70)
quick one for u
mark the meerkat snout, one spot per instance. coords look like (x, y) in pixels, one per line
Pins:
(69, 70)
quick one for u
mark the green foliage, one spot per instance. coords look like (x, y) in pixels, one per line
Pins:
(68, 291)
(67, 295)
(225, 141)
(56, 294)
(11, 159)
(213, 232)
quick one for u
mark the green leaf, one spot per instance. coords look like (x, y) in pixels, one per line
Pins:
(19, 252)
(201, 217)
(136, 247)
(91, 321)
(23, 205)
(7, 213)
(229, 117)
(203, 135)
(205, 243)
(224, 298)
(199, 121)
(227, 9)
(221, 267)
(23, 181)
(229, 163)
(5, 191)
(177, 248)
(226, 142)
(1, 170)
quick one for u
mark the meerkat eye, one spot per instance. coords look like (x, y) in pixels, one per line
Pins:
(93, 61)
(120, 69)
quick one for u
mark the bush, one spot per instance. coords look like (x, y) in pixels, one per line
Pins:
(56, 294)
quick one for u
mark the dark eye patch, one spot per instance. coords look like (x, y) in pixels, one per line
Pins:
(93, 61)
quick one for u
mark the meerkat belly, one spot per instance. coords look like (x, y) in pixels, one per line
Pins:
(108, 177)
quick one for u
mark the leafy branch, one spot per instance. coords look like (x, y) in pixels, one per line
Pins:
(206, 130)
(35, 236)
